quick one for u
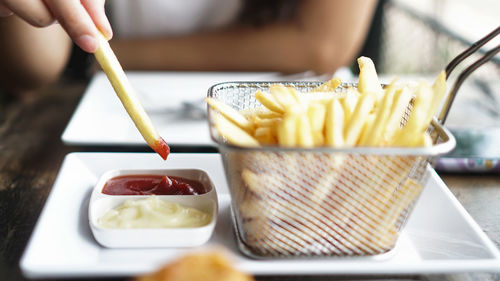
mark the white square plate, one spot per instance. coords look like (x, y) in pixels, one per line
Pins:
(440, 236)
(100, 119)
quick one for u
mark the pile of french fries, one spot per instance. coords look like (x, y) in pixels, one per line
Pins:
(327, 203)
(371, 115)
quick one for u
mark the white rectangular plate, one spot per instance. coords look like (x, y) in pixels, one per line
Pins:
(440, 236)
(100, 119)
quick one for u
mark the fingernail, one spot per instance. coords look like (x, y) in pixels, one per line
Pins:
(108, 31)
(87, 43)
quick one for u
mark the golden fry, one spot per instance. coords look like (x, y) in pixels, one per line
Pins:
(367, 127)
(285, 96)
(266, 122)
(234, 134)
(439, 91)
(416, 125)
(287, 131)
(318, 138)
(260, 111)
(231, 114)
(368, 78)
(265, 135)
(304, 133)
(328, 86)
(402, 98)
(316, 113)
(356, 123)
(269, 101)
(349, 102)
(334, 127)
(425, 140)
(373, 135)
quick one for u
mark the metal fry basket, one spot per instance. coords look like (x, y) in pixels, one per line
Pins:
(298, 202)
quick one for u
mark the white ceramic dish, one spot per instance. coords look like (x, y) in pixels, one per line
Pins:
(100, 203)
(100, 119)
(440, 236)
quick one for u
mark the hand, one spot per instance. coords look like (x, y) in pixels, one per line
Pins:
(80, 18)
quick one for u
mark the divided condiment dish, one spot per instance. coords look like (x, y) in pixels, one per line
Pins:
(206, 202)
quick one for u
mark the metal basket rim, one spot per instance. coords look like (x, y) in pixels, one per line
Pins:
(446, 146)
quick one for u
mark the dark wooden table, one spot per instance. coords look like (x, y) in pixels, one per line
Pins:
(31, 153)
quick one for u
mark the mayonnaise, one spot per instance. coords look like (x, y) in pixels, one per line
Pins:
(153, 213)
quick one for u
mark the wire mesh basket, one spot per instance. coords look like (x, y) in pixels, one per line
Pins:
(298, 202)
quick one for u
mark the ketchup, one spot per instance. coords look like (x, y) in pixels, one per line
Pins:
(152, 185)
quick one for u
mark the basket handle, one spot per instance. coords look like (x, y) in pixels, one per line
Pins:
(467, 71)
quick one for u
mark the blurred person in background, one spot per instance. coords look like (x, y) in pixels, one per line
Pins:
(288, 36)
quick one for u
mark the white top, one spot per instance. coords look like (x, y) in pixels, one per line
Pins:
(143, 18)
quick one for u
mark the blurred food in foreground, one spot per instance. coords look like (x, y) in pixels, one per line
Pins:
(369, 115)
(209, 266)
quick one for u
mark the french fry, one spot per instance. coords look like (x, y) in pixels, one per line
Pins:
(400, 104)
(287, 130)
(269, 101)
(367, 127)
(265, 135)
(438, 90)
(368, 79)
(374, 132)
(356, 123)
(266, 122)
(425, 140)
(316, 113)
(318, 138)
(260, 111)
(334, 130)
(416, 125)
(304, 133)
(125, 92)
(231, 114)
(320, 97)
(233, 133)
(349, 102)
(285, 96)
(328, 86)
